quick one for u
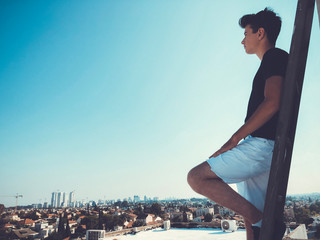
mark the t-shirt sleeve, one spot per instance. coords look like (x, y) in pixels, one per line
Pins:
(275, 64)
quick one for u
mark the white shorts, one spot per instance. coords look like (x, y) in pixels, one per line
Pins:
(247, 165)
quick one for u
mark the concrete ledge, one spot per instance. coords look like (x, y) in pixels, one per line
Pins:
(300, 233)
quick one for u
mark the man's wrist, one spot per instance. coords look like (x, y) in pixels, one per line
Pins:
(236, 137)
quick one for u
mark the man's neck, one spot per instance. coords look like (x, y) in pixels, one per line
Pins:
(263, 50)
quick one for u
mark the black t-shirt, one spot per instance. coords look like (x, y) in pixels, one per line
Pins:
(274, 63)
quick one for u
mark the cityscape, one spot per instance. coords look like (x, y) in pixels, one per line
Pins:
(66, 218)
(65, 199)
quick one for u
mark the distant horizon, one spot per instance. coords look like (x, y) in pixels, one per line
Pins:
(160, 199)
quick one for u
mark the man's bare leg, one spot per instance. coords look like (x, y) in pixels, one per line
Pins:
(205, 182)
(248, 230)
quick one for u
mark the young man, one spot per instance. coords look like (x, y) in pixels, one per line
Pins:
(248, 163)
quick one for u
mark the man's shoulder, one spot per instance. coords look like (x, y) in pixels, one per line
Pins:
(274, 63)
(275, 56)
(277, 52)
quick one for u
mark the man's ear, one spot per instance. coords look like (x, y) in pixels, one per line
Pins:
(261, 33)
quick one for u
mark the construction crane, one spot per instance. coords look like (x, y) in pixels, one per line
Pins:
(16, 196)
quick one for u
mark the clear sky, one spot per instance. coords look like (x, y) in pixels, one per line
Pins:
(120, 98)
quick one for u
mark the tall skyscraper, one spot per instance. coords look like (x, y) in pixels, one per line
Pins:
(54, 199)
(71, 199)
(59, 201)
(64, 199)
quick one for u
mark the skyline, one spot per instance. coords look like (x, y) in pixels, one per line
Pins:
(123, 98)
(78, 203)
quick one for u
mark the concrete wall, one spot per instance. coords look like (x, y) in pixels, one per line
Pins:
(298, 234)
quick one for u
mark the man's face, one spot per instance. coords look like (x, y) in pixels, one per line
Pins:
(250, 41)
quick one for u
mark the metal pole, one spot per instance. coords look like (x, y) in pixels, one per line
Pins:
(288, 114)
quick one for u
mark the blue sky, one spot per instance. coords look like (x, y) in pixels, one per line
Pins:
(120, 98)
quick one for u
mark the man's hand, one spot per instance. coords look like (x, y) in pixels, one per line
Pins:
(232, 142)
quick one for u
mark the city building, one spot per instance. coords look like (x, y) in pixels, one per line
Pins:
(59, 199)
(94, 234)
(136, 198)
(71, 199)
(54, 199)
(204, 211)
(64, 200)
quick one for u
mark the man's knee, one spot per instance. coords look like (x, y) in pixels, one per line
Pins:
(192, 176)
(194, 179)
(198, 174)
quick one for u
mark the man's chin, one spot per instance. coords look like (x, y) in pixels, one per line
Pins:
(248, 51)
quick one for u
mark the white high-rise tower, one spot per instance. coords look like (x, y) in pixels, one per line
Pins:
(60, 198)
(54, 199)
(71, 199)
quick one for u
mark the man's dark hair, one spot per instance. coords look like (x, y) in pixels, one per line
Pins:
(266, 19)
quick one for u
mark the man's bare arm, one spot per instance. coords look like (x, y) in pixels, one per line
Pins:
(270, 105)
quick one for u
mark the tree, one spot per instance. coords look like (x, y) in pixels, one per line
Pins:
(100, 225)
(208, 217)
(124, 204)
(209, 204)
(107, 220)
(185, 217)
(137, 224)
(67, 232)
(33, 215)
(117, 221)
(315, 207)
(79, 232)
(117, 204)
(308, 221)
(96, 208)
(184, 209)
(155, 209)
(138, 211)
(44, 215)
(54, 236)
(2, 208)
(178, 218)
(302, 216)
(3, 222)
(91, 222)
(61, 228)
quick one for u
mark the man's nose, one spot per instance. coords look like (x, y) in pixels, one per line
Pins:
(242, 42)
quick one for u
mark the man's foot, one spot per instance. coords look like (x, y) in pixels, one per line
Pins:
(256, 232)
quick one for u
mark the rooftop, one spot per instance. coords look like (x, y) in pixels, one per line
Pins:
(185, 234)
